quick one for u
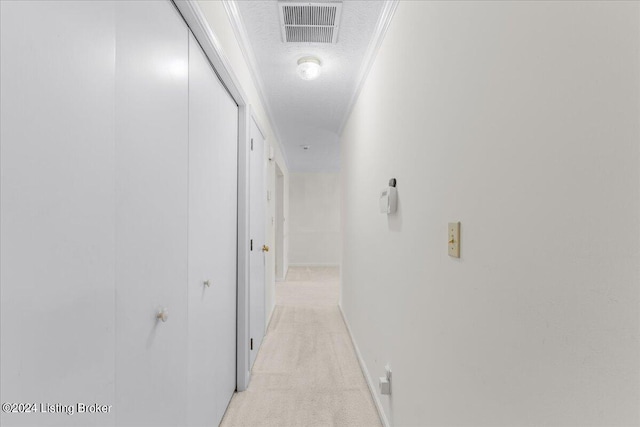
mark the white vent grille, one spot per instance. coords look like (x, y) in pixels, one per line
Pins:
(309, 22)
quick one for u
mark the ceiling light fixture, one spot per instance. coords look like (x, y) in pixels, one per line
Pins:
(308, 68)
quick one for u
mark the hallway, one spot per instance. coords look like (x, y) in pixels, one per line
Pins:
(310, 214)
(306, 372)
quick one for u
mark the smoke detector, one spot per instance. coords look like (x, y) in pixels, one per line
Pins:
(304, 22)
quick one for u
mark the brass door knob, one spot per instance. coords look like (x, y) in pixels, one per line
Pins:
(265, 248)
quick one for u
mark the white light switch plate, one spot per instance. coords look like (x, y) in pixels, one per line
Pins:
(454, 239)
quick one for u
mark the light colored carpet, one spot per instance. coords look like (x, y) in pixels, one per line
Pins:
(306, 372)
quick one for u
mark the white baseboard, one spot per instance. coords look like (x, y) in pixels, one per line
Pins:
(273, 309)
(367, 377)
(317, 264)
(284, 276)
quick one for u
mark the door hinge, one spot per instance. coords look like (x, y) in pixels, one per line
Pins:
(251, 343)
(251, 244)
(251, 144)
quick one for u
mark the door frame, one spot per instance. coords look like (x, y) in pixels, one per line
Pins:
(279, 249)
(197, 23)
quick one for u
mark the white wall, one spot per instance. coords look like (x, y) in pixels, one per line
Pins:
(314, 219)
(521, 120)
(220, 23)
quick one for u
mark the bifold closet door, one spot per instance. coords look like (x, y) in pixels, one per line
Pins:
(56, 209)
(151, 213)
(213, 160)
(111, 212)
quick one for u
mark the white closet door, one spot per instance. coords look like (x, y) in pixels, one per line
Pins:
(257, 202)
(151, 213)
(213, 160)
(56, 208)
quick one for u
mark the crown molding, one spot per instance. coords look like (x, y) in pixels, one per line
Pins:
(382, 26)
(195, 19)
(239, 29)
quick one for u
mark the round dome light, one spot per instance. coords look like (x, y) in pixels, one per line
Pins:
(308, 68)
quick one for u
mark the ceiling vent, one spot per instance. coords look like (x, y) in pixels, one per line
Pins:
(309, 22)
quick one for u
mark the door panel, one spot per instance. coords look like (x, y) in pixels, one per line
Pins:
(257, 196)
(213, 160)
(151, 213)
(56, 208)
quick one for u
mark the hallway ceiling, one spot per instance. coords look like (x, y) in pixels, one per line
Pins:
(309, 113)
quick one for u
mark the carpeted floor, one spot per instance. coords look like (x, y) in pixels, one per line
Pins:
(306, 372)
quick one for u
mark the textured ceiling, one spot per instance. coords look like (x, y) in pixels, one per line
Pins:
(309, 112)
